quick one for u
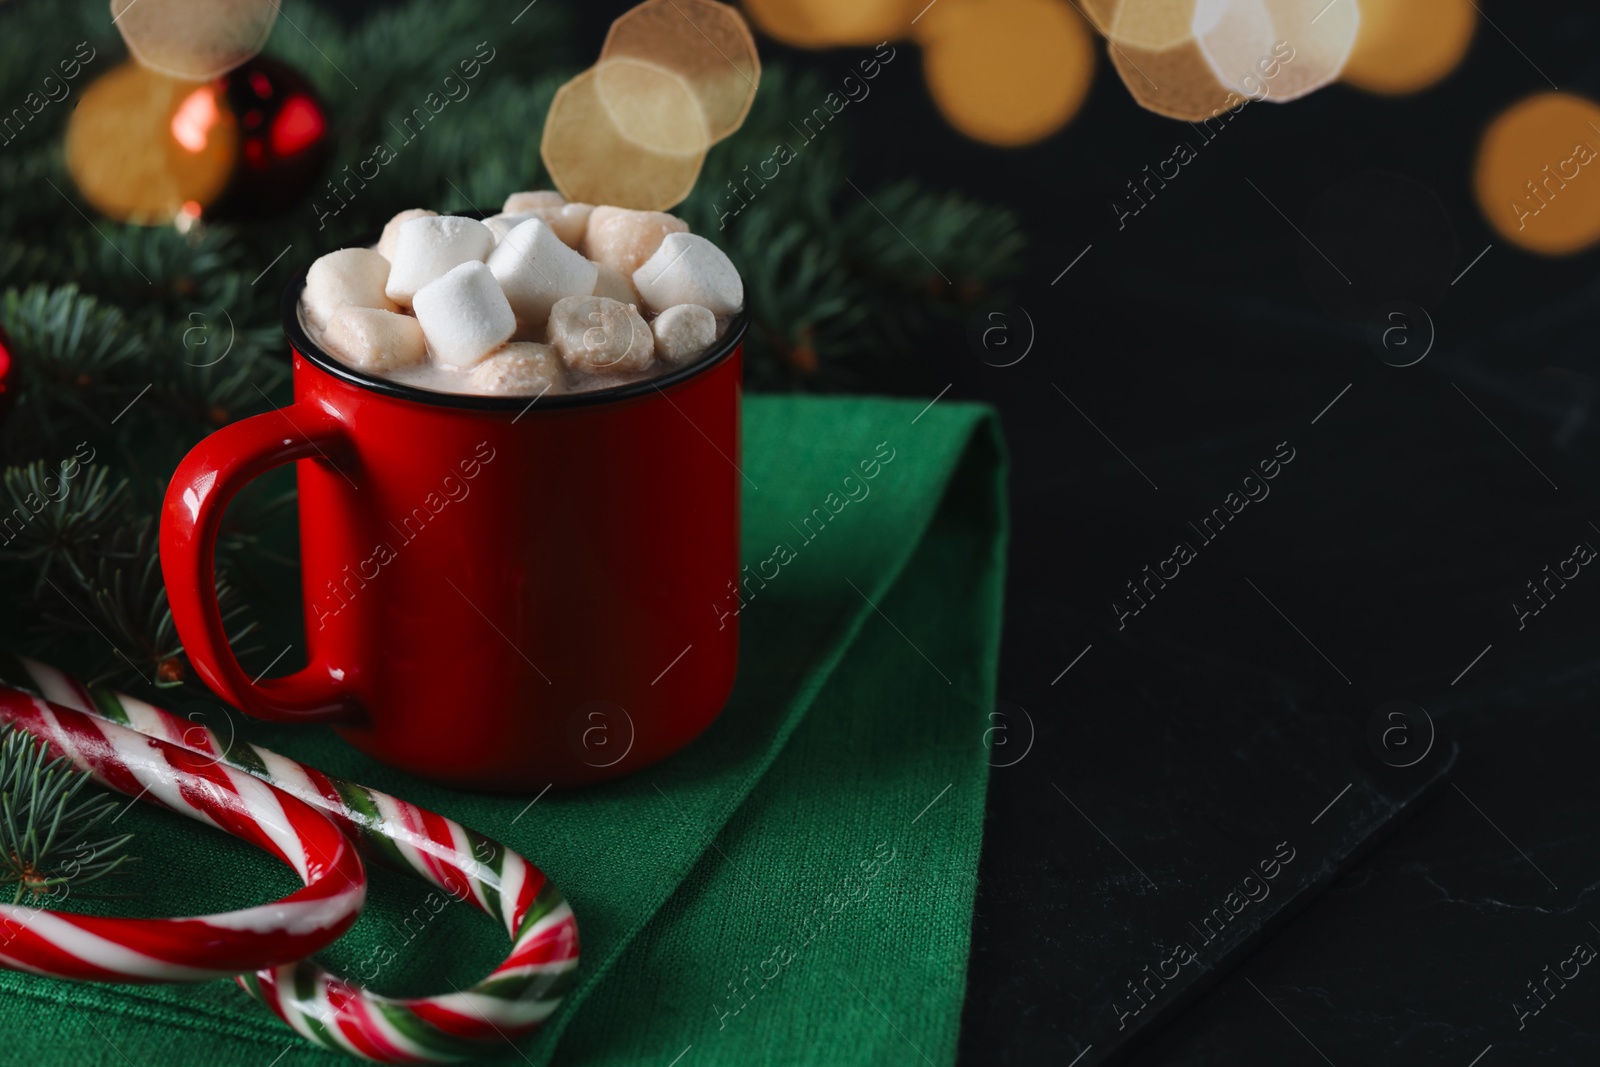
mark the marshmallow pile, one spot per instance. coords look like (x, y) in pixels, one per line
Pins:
(547, 296)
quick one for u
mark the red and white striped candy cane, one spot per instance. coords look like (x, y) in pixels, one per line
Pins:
(334, 1012)
(104, 949)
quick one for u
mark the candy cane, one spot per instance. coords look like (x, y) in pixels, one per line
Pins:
(101, 949)
(514, 999)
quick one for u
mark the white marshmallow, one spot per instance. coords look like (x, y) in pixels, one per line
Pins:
(614, 286)
(683, 332)
(623, 239)
(517, 203)
(502, 224)
(536, 269)
(688, 269)
(426, 248)
(391, 229)
(350, 277)
(374, 340)
(599, 336)
(518, 369)
(464, 315)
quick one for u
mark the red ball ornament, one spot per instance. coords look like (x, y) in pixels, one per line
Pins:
(7, 393)
(283, 139)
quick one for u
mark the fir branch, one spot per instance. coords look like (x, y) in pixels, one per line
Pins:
(20, 262)
(213, 368)
(52, 517)
(931, 239)
(65, 338)
(152, 268)
(256, 528)
(801, 296)
(36, 185)
(74, 366)
(46, 827)
(121, 602)
(944, 253)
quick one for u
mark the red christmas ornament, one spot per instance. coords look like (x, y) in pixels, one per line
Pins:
(283, 139)
(8, 394)
(5, 366)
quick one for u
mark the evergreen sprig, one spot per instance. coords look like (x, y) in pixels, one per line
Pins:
(48, 822)
(46, 539)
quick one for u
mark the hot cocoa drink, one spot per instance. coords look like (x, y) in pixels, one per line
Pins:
(545, 297)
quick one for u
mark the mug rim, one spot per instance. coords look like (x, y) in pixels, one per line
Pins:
(300, 340)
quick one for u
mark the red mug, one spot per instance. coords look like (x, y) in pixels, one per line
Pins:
(501, 593)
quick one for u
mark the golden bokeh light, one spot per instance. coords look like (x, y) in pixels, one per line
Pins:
(591, 157)
(1100, 13)
(194, 41)
(140, 145)
(832, 23)
(1006, 72)
(1538, 173)
(1232, 37)
(1152, 24)
(1320, 38)
(652, 107)
(1407, 45)
(1303, 45)
(1153, 47)
(704, 43)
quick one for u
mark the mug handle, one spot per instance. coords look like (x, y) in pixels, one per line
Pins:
(207, 479)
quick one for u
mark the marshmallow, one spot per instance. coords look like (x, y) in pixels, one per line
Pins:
(426, 248)
(504, 223)
(623, 239)
(352, 277)
(518, 369)
(688, 269)
(544, 199)
(374, 340)
(391, 229)
(569, 222)
(464, 315)
(599, 336)
(536, 269)
(683, 332)
(614, 286)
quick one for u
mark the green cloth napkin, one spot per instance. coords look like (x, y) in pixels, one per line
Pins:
(794, 887)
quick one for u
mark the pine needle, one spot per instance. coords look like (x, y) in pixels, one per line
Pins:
(48, 823)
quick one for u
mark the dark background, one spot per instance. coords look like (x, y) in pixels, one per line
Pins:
(1196, 339)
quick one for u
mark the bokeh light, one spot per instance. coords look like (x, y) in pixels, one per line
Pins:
(1303, 45)
(1099, 12)
(1153, 47)
(1538, 173)
(194, 41)
(140, 144)
(706, 45)
(1407, 45)
(1320, 36)
(1006, 72)
(592, 159)
(831, 23)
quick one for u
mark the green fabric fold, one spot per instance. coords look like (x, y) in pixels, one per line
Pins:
(796, 886)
